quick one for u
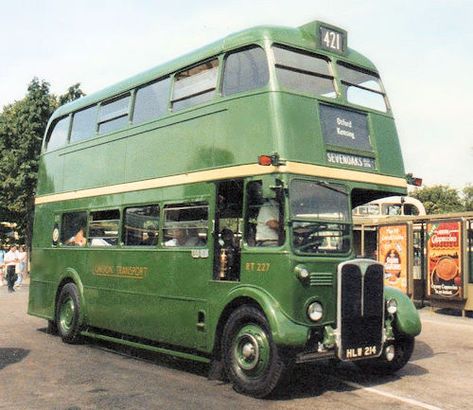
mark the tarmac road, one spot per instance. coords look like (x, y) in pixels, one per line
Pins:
(38, 371)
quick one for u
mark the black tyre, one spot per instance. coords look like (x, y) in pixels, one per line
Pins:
(52, 327)
(67, 313)
(251, 358)
(403, 348)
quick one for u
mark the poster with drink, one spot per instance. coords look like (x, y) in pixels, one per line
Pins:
(444, 257)
(392, 253)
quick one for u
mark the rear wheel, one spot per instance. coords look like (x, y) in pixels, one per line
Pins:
(251, 358)
(400, 351)
(67, 313)
(52, 327)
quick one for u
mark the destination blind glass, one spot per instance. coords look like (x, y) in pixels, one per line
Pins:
(344, 128)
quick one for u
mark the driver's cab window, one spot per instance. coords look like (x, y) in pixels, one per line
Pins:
(264, 225)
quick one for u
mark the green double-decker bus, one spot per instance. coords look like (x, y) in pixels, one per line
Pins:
(203, 209)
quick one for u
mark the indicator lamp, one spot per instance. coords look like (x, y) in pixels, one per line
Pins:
(302, 273)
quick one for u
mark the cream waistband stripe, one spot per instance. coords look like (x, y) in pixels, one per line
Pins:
(226, 173)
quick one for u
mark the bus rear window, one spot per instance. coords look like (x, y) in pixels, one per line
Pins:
(302, 72)
(195, 85)
(362, 88)
(59, 134)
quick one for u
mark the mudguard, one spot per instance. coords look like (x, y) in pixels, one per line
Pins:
(407, 320)
(284, 331)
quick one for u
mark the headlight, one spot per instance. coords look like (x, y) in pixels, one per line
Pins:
(315, 311)
(391, 306)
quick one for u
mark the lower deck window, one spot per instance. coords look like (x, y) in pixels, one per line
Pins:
(103, 228)
(185, 225)
(74, 228)
(141, 226)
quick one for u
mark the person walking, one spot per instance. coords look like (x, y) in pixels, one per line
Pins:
(21, 266)
(2, 265)
(11, 259)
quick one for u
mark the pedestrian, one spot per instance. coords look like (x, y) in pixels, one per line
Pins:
(11, 260)
(21, 266)
(2, 265)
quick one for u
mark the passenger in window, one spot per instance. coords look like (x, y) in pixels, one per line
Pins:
(183, 237)
(78, 239)
(151, 238)
(267, 224)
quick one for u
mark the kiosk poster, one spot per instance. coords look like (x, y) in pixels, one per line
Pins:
(392, 252)
(444, 260)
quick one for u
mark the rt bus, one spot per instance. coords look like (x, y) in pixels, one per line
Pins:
(390, 206)
(202, 209)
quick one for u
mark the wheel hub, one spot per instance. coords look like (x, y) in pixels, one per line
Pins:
(251, 351)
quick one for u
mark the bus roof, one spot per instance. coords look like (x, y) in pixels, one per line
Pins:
(303, 37)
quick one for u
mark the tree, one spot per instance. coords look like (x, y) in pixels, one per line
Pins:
(467, 198)
(73, 93)
(22, 126)
(439, 199)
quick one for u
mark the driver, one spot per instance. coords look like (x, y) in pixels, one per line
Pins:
(267, 227)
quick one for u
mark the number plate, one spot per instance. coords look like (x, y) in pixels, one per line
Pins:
(361, 352)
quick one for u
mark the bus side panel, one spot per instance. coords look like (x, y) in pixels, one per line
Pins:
(45, 271)
(100, 165)
(388, 148)
(157, 295)
(183, 298)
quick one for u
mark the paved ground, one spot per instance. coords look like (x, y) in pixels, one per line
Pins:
(38, 371)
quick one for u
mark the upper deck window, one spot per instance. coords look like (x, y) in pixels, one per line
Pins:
(151, 101)
(303, 72)
(195, 85)
(362, 87)
(84, 124)
(58, 135)
(114, 115)
(245, 70)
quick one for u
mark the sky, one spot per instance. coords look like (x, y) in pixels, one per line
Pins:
(422, 49)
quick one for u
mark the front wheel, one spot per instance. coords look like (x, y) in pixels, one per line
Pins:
(68, 313)
(251, 358)
(400, 355)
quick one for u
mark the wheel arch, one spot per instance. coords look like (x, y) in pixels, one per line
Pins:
(70, 275)
(283, 331)
(407, 320)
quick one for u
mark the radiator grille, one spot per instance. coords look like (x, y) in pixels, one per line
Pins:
(361, 309)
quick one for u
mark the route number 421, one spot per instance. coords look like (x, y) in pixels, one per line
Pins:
(331, 40)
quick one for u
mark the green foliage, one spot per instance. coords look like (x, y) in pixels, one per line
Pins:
(468, 198)
(73, 93)
(22, 126)
(439, 199)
